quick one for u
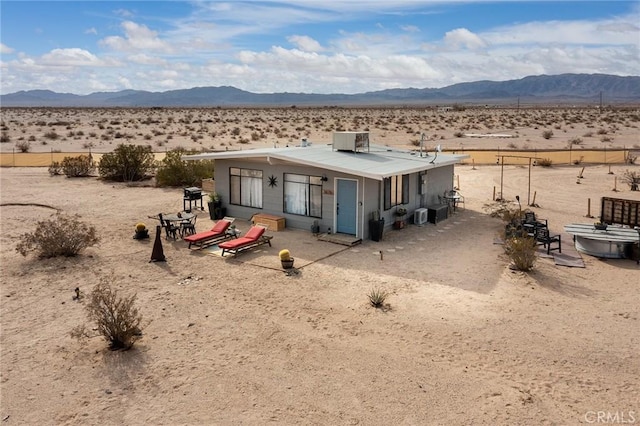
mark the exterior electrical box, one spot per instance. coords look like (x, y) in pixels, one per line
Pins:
(351, 141)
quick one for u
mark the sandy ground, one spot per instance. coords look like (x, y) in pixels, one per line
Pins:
(465, 340)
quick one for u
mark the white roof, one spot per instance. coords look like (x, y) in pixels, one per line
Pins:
(378, 163)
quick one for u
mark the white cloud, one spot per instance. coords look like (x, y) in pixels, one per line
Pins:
(144, 59)
(463, 38)
(5, 50)
(410, 28)
(137, 37)
(305, 43)
(70, 57)
(91, 31)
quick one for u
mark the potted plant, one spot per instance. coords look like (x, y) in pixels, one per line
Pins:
(141, 231)
(401, 212)
(285, 259)
(376, 225)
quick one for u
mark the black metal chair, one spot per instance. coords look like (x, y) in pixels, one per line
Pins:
(543, 237)
(171, 230)
(188, 227)
(532, 224)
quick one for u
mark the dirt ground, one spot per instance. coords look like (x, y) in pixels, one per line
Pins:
(464, 339)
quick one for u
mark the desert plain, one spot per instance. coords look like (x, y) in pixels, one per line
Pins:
(463, 339)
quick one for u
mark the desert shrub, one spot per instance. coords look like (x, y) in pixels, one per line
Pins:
(522, 252)
(127, 163)
(5, 138)
(631, 178)
(547, 134)
(545, 162)
(23, 146)
(63, 235)
(458, 134)
(80, 166)
(51, 135)
(55, 168)
(174, 171)
(377, 297)
(575, 141)
(117, 318)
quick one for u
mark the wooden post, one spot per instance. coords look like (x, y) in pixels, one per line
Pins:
(458, 181)
(533, 203)
(494, 193)
(588, 207)
(615, 184)
(473, 162)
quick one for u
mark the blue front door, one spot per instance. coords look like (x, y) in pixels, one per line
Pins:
(346, 206)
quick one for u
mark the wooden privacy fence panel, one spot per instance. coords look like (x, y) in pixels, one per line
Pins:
(620, 211)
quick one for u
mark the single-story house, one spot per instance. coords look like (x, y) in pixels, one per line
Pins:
(339, 187)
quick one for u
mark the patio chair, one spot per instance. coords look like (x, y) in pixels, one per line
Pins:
(532, 224)
(543, 237)
(217, 234)
(253, 238)
(171, 230)
(188, 227)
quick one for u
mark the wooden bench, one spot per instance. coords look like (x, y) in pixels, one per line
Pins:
(274, 223)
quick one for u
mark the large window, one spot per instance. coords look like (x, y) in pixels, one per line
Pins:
(246, 187)
(396, 191)
(303, 195)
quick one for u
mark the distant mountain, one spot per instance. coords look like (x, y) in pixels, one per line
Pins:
(543, 89)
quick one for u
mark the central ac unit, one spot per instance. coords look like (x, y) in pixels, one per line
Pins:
(420, 216)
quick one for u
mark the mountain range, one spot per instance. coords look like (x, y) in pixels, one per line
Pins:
(542, 89)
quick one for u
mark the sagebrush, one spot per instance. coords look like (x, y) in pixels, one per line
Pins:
(116, 317)
(64, 235)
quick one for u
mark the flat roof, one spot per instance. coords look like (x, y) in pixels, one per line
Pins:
(378, 162)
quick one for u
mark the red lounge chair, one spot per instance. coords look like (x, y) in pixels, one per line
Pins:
(253, 238)
(216, 234)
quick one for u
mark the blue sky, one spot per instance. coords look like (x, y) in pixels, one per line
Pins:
(308, 46)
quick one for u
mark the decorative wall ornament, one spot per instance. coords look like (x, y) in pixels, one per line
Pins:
(273, 181)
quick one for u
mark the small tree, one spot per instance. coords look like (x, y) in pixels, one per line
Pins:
(117, 318)
(174, 171)
(127, 163)
(80, 166)
(61, 236)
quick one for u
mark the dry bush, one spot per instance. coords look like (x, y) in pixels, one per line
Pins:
(55, 168)
(522, 251)
(631, 178)
(547, 134)
(80, 166)
(117, 319)
(63, 235)
(23, 146)
(545, 162)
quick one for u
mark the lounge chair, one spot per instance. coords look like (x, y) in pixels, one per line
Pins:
(253, 238)
(216, 234)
